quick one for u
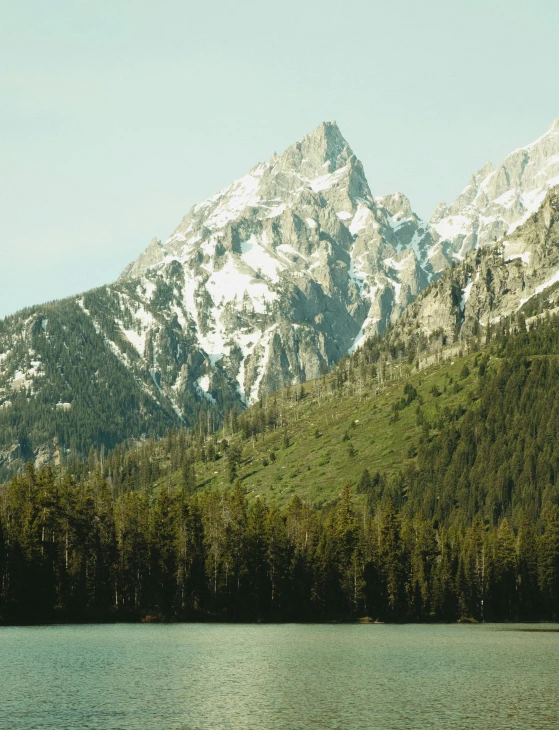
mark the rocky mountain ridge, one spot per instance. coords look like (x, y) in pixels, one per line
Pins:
(496, 201)
(267, 283)
(508, 283)
(306, 226)
(287, 269)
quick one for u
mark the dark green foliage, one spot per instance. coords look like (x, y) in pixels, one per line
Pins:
(105, 403)
(234, 455)
(410, 393)
(71, 551)
(498, 457)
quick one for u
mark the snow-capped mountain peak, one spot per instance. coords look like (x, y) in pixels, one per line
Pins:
(300, 252)
(497, 200)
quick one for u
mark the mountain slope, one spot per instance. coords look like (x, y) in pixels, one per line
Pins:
(476, 435)
(65, 385)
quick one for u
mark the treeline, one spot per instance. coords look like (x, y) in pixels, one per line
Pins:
(71, 552)
(467, 529)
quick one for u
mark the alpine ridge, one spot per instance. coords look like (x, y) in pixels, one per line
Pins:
(496, 200)
(286, 270)
(508, 284)
(268, 283)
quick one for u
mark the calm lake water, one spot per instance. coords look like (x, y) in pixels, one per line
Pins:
(153, 677)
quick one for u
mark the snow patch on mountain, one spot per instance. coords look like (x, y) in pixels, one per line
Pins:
(466, 294)
(259, 259)
(324, 182)
(233, 200)
(542, 287)
(230, 283)
(203, 386)
(359, 219)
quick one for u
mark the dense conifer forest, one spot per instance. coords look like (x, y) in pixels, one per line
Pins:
(466, 527)
(71, 552)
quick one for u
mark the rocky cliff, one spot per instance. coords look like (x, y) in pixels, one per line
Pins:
(286, 270)
(510, 281)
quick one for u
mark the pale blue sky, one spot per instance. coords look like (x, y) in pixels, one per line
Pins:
(117, 116)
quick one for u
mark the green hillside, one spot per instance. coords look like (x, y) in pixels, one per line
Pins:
(326, 433)
(473, 435)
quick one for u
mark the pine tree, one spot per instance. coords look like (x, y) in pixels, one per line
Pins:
(548, 563)
(163, 554)
(348, 548)
(527, 572)
(504, 596)
(391, 562)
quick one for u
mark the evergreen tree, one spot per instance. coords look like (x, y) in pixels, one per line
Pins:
(548, 562)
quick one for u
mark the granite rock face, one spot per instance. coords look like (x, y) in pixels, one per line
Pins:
(493, 284)
(289, 268)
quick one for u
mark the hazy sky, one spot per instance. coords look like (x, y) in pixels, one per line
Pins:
(117, 116)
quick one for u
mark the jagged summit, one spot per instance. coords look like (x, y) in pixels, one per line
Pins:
(396, 203)
(324, 150)
(495, 202)
(321, 164)
(290, 267)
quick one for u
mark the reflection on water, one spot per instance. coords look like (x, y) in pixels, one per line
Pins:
(149, 677)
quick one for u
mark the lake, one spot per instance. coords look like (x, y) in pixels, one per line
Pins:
(345, 677)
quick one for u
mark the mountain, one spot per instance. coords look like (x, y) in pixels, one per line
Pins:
(283, 272)
(495, 202)
(296, 264)
(270, 282)
(505, 284)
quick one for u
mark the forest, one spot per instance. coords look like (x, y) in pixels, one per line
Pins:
(70, 552)
(466, 530)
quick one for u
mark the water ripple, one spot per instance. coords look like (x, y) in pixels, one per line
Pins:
(232, 677)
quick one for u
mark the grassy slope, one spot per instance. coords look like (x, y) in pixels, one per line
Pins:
(314, 467)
